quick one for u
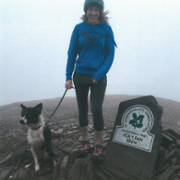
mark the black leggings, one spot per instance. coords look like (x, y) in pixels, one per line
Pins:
(82, 84)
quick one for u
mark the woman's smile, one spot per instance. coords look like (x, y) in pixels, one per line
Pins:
(93, 14)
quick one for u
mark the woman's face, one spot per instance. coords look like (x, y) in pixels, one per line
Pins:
(93, 14)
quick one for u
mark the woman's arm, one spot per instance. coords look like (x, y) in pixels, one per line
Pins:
(72, 54)
(109, 57)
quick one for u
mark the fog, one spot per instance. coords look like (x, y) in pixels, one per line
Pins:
(35, 36)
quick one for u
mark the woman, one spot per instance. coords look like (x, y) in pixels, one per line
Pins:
(93, 42)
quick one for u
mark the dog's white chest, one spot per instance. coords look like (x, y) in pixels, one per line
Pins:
(35, 136)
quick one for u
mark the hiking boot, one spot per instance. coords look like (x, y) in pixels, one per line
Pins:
(84, 149)
(97, 154)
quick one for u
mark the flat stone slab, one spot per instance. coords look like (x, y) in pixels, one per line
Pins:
(136, 138)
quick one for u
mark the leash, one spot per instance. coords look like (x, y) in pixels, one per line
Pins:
(58, 104)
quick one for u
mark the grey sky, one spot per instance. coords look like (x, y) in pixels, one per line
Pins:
(35, 35)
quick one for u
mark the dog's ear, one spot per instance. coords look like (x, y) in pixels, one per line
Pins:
(23, 107)
(38, 108)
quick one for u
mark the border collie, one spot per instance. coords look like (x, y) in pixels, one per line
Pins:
(39, 135)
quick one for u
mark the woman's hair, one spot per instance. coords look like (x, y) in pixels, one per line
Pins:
(103, 17)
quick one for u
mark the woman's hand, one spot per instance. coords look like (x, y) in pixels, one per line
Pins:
(94, 81)
(68, 84)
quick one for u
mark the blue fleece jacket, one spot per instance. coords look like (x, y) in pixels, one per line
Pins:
(91, 50)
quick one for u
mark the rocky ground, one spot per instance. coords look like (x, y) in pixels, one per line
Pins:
(15, 154)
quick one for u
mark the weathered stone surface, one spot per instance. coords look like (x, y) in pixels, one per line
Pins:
(129, 153)
(7, 161)
(5, 172)
(166, 140)
(57, 133)
(68, 162)
(11, 134)
(168, 172)
(21, 156)
(23, 173)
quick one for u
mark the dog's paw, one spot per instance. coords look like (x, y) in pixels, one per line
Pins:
(28, 165)
(37, 167)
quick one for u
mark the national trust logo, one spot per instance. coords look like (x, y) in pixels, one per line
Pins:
(138, 117)
(137, 121)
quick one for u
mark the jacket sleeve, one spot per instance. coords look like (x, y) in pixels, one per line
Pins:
(109, 56)
(72, 54)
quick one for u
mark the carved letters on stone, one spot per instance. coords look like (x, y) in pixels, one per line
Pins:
(137, 121)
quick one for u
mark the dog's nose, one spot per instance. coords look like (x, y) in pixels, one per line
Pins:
(22, 122)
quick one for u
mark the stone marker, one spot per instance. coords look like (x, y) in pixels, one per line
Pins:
(134, 144)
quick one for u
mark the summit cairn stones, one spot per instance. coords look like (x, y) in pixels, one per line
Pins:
(135, 142)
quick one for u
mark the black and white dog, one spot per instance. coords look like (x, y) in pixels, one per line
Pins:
(39, 135)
